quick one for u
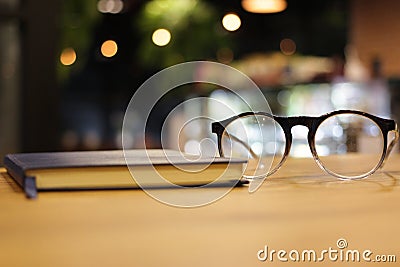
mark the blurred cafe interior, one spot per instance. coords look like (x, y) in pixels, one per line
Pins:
(68, 68)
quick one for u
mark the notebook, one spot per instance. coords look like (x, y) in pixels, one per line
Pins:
(88, 170)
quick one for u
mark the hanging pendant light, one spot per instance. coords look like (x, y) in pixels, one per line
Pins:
(264, 6)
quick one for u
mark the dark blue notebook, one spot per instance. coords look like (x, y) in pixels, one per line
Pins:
(88, 170)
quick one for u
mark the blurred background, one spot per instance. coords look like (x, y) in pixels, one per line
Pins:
(68, 68)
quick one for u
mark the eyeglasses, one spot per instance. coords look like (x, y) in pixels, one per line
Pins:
(265, 141)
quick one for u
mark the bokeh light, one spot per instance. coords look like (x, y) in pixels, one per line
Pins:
(288, 47)
(231, 22)
(161, 37)
(110, 6)
(68, 56)
(109, 48)
(264, 6)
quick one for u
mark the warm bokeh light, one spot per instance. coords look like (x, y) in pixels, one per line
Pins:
(264, 6)
(161, 37)
(288, 47)
(109, 48)
(110, 6)
(231, 22)
(68, 56)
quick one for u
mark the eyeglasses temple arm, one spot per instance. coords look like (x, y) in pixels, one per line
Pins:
(391, 145)
(253, 154)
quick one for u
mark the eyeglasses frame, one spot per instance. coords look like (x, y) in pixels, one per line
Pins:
(312, 123)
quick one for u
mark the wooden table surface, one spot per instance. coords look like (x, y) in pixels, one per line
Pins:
(298, 209)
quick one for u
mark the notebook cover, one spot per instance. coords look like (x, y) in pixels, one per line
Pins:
(18, 164)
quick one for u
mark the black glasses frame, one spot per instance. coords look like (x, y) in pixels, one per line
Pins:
(312, 123)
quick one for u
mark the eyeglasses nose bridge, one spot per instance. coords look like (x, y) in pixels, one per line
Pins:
(300, 120)
(310, 122)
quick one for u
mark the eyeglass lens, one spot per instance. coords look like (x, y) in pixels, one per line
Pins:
(261, 140)
(258, 139)
(350, 134)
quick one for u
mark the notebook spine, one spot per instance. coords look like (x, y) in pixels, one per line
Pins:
(28, 183)
(30, 188)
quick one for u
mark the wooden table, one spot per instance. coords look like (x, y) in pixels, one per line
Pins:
(298, 209)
